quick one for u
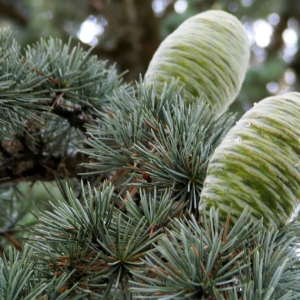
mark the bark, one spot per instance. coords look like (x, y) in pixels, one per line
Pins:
(14, 13)
(132, 35)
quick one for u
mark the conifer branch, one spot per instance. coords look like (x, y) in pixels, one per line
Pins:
(48, 95)
(93, 242)
(195, 262)
(165, 143)
(139, 233)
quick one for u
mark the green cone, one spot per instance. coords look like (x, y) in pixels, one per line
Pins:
(209, 53)
(258, 163)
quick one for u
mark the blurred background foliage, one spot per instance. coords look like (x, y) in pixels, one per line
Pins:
(127, 32)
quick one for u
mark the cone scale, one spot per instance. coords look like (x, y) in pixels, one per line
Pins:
(208, 53)
(257, 165)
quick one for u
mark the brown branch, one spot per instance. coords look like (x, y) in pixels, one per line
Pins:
(277, 40)
(75, 117)
(13, 240)
(130, 39)
(12, 12)
(32, 167)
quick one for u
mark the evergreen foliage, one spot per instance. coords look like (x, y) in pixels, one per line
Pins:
(157, 143)
(130, 163)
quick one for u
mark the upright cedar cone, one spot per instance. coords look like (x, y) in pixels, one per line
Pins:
(257, 165)
(209, 53)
